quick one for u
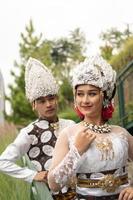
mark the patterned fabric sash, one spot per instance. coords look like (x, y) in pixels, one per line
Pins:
(86, 197)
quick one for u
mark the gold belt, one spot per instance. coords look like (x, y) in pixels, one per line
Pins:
(70, 195)
(109, 183)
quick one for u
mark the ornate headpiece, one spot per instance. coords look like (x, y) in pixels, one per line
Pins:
(39, 81)
(95, 71)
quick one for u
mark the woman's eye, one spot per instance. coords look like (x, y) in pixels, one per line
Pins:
(80, 94)
(92, 94)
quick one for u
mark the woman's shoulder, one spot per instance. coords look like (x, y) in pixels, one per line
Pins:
(71, 130)
(66, 122)
(118, 129)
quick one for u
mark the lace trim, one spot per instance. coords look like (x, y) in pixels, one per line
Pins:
(67, 168)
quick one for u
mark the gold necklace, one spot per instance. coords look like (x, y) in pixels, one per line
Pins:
(97, 128)
(55, 125)
(105, 146)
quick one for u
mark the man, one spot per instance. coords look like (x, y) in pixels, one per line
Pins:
(37, 140)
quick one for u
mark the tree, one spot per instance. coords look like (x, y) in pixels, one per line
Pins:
(113, 39)
(67, 52)
(120, 60)
(34, 46)
(59, 55)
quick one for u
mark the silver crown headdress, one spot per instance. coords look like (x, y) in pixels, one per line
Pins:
(95, 71)
(39, 80)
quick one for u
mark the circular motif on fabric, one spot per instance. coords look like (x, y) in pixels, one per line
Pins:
(34, 152)
(82, 176)
(34, 139)
(46, 136)
(37, 165)
(48, 150)
(29, 128)
(47, 164)
(43, 124)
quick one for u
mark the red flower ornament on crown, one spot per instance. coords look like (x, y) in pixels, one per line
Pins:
(107, 111)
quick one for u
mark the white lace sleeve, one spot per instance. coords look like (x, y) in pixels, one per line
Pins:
(67, 168)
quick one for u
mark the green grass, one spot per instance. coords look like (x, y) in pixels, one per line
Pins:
(11, 188)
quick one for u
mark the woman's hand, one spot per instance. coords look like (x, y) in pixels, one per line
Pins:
(41, 176)
(83, 140)
(126, 194)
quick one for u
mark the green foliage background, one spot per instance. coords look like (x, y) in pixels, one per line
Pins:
(60, 55)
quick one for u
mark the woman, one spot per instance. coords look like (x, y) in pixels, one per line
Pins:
(93, 151)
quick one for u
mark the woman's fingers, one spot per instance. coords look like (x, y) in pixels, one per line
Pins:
(126, 194)
(83, 139)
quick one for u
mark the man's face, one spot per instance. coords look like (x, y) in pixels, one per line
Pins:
(46, 106)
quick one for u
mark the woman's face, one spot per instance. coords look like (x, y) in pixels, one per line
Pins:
(89, 100)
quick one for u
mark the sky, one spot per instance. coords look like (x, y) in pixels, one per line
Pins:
(56, 18)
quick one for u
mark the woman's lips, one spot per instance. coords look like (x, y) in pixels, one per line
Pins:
(86, 107)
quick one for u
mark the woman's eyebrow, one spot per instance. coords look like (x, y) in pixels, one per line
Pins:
(91, 90)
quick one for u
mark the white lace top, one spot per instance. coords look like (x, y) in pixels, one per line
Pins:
(107, 152)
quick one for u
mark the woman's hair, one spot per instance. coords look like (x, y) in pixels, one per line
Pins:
(107, 110)
(113, 93)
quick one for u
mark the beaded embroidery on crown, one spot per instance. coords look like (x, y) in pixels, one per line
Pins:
(39, 81)
(94, 71)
